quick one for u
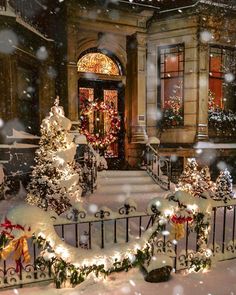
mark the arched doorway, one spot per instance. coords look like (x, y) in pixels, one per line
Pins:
(101, 80)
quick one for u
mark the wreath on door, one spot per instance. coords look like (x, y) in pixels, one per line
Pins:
(96, 140)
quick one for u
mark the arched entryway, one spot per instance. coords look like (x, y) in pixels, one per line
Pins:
(101, 80)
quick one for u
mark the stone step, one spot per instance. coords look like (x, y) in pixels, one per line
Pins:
(127, 188)
(123, 180)
(123, 173)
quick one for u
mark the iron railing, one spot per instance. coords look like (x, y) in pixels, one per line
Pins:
(81, 230)
(89, 168)
(158, 167)
(21, 9)
(105, 227)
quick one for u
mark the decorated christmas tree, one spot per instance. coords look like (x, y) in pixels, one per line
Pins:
(54, 183)
(205, 183)
(195, 181)
(189, 178)
(224, 189)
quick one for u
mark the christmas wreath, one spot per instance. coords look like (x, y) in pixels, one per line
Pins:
(110, 136)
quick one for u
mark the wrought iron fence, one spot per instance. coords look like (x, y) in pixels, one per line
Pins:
(158, 167)
(105, 228)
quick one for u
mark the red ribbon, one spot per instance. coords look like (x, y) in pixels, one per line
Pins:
(179, 219)
(8, 225)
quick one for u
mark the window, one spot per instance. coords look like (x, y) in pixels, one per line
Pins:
(98, 63)
(222, 70)
(171, 73)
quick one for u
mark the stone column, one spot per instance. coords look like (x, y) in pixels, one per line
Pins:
(72, 77)
(202, 119)
(139, 92)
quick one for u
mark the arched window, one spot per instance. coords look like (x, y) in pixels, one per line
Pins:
(98, 63)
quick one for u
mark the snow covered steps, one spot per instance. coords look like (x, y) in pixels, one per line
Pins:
(115, 186)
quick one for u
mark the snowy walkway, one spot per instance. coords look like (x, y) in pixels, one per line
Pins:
(114, 187)
(218, 281)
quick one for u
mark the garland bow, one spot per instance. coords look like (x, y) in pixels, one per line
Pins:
(18, 246)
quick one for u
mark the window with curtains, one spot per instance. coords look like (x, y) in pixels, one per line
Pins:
(171, 75)
(222, 91)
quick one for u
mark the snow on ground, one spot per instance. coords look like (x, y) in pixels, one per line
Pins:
(218, 281)
(113, 189)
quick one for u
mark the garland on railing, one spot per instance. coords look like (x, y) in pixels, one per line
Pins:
(64, 270)
(97, 140)
(67, 265)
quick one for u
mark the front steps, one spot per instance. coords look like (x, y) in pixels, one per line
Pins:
(115, 186)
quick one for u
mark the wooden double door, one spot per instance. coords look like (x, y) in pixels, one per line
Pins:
(111, 93)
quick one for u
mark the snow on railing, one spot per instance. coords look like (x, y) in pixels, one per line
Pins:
(158, 167)
(105, 227)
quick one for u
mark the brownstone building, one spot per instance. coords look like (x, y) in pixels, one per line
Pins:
(168, 67)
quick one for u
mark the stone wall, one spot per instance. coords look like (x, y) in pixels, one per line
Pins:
(170, 31)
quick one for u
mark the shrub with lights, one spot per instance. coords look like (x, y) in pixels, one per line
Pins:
(197, 181)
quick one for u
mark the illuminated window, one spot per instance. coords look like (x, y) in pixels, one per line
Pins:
(98, 63)
(171, 75)
(222, 70)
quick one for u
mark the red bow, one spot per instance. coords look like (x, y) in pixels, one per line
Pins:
(8, 225)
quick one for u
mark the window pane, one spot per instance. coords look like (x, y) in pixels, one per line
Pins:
(98, 63)
(172, 88)
(215, 65)
(222, 61)
(215, 85)
(172, 63)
